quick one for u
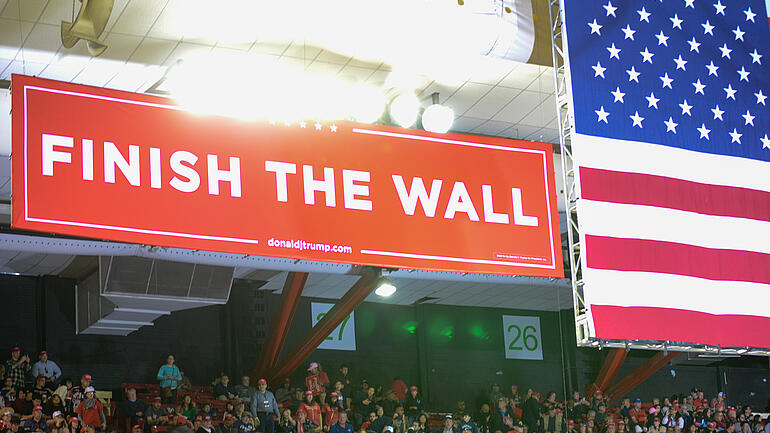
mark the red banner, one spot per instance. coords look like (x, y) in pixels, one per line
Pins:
(137, 168)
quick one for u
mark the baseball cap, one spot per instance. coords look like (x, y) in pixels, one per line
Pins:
(389, 428)
(334, 394)
(40, 376)
(156, 399)
(721, 394)
(90, 389)
(261, 382)
(181, 420)
(16, 349)
(570, 422)
(413, 388)
(312, 366)
(56, 413)
(229, 416)
(74, 418)
(86, 377)
(308, 392)
(40, 408)
(43, 352)
(637, 400)
(136, 427)
(448, 416)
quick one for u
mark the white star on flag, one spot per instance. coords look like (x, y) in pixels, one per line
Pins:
(694, 45)
(744, 74)
(318, 126)
(629, 34)
(760, 97)
(676, 23)
(610, 9)
(712, 68)
(720, 9)
(765, 142)
(602, 114)
(725, 51)
(704, 132)
(738, 33)
(749, 15)
(652, 101)
(636, 119)
(680, 63)
(598, 70)
(670, 125)
(595, 27)
(685, 108)
(646, 55)
(333, 128)
(643, 15)
(718, 113)
(730, 92)
(755, 57)
(633, 75)
(699, 87)
(614, 52)
(735, 136)
(707, 28)
(662, 39)
(619, 95)
(748, 118)
(666, 81)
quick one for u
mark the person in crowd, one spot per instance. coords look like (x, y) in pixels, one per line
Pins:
(58, 423)
(413, 403)
(460, 411)
(90, 411)
(206, 426)
(503, 419)
(182, 425)
(36, 423)
(184, 385)
(331, 410)
(447, 427)
(187, 407)
(369, 420)
(49, 369)
(132, 406)
(637, 414)
(230, 408)
(283, 393)
(75, 426)
(244, 390)
(382, 420)
(339, 390)
(484, 419)
(422, 422)
(515, 395)
(400, 422)
(207, 409)
(399, 388)
(601, 414)
(246, 424)
(77, 393)
(467, 425)
(223, 390)
(53, 405)
(169, 377)
(17, 367)
(14, 425)
(41, 390)
(228, 425)
(494, 394)
(312, 410)
(553, 421)
(297, 398)
(530, 411)
(366, 404)
(136, 428)
(304, 425)
(8, 392)
(343, 375)
(22, 404)
(64, 387)
(156, 414)
(317, 381)
(286, 424)
(341, 425)
(264, 406)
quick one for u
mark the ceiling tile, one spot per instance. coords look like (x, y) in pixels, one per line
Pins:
(466, 97)
(492, 102)
(138, 17)
(153, 51)
(185, 49)
(302, 51)
(270, 47)
(521, 131)
(42, 43)
(520, 107)
(99, 72)
(65, 67)
(445, 91)
(59, 10)
(332, 57)
(543, 114)
(120, 46)
(117, 10)
(544, 82)
(490, 71)
(355, 73)
(466, 124)
(30, 9)
(135, 77)
(364, 63)
(377, 78)
(11, 36)
(324, 68)
(18, 67)
(522, 76)
(492, 127)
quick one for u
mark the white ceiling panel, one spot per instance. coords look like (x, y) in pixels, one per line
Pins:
(57, 11)
(525, 132)
(99, 72)
(355, 73)
(492, 127)
(522, 76)
(302, 51)
(378, 77)
(42, 43)
(153, 51)
(117, 10)
(185, 49)
(11, 35)
(19, 67)
(466, 124)
(520, 106)
(138, 17)
(492, 102)
(543, 114)
(324, 68)
(30, 9)
(332, 57)
(466, 97)
(65, 67)
(120, 46)
(270, 47)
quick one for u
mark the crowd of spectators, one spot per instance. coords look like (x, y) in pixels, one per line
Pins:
(35, 398)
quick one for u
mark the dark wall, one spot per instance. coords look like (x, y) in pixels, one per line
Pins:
(450, 352)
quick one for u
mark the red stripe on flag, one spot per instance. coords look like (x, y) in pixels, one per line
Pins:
(651, 190)
(669, 324)
(644, 255)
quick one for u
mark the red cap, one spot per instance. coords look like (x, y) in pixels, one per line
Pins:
(182, 420)
(570, 422)
(229, 416)
(156, 399)
(136, 427)
(86, 377)
(597, 392)
(712, 424)
(558, 410)
(308, 392)
(621, 422)
(74, 418)
(40, 408)
(154, 428)
(42, 352)
(40, 376)
(413, 388)
(261, 382)
(334, 394)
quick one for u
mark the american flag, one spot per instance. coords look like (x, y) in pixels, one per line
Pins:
(671, 139)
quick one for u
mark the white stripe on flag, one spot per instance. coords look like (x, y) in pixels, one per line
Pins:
(610, 287)
(671, 225)
(638, 157)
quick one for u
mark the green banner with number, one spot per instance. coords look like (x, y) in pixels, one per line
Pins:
(522, 338)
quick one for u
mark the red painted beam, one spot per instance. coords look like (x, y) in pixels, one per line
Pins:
(610, 369)
(640, 374)
(280, 324)
(302, 350)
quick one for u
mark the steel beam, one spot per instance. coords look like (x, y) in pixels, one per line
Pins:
(610, 369)
(280, 324)
(302, 350)
(640, 374)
